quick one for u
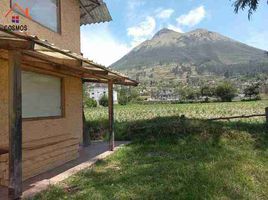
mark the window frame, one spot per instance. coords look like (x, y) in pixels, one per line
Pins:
(62, 93)
(59, 31)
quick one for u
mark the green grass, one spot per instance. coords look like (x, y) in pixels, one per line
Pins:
(130, 119)
(178, 158)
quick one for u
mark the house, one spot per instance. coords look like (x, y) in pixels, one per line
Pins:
(97, 91)
(42, 73)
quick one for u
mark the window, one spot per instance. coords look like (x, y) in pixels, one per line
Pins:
(41, 95)
(45, 12)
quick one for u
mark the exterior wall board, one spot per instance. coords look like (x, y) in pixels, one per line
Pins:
(52, 139)
(68, 38)
(4, 104)
(47, 143)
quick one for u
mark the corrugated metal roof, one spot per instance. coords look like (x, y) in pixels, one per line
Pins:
(93, 11)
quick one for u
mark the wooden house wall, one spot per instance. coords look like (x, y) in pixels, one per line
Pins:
(68, 38)
(47, 143)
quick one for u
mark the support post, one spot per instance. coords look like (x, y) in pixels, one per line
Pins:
(86, 138)
(111, 114)
(266, 114)
(15, 126)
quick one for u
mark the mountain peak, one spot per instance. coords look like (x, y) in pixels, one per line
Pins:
(203, 34)
(164, 31)
(199, 47)
(200, 30)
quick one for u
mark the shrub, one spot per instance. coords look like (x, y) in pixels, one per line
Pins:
(252, 91)
(123, 100)
(104, 101)
(90, 103)
(207, 91)
(226, 92)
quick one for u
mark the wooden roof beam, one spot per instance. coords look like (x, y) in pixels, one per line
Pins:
(60, 61)
(50, 66)
(18, 44)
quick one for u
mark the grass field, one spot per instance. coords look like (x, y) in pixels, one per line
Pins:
(130, 119)
(174, 157)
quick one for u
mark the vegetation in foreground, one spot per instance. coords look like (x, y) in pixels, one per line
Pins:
(195, 159)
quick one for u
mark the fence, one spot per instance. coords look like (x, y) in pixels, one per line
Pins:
(243, 116)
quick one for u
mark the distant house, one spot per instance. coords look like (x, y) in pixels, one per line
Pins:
(167, 94)
(96, 92)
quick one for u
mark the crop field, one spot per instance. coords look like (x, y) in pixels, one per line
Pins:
(177, 157)
(137, 116)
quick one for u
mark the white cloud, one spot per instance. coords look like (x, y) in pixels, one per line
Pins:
(142, 31)
(98, 44)
(175, 28)
(165, 14)
(144, 28)
(192, 18)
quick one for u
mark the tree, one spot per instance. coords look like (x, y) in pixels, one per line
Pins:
(243, 4)
(134, 94)
(187, 93)
(252, 90)
(104, 101)
(122, 100)
(90, 103)
(192, 94)
(123, 97)
(207, 91)
(226, 92)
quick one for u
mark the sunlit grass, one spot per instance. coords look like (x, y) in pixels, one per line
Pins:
(177, 157)
(140, 115)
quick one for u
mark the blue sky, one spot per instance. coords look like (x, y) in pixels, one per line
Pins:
(137, 20)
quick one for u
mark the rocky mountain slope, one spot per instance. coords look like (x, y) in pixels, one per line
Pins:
(201, 50)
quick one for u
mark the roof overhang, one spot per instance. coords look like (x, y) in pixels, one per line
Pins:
(93, 11)
(39, 53)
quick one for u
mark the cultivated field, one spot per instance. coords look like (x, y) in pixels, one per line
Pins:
(131, 117)
(174, 157)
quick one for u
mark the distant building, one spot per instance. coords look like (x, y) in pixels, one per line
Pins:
(165, 95)
(96, 91)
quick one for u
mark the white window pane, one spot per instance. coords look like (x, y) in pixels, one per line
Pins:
(44, 12)
(41, 95)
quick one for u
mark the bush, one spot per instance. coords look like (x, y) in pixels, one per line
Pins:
(126, 96)
(104, 101)
(226, 92)
(188, 93)
(123, 100)
(207, 91)
(252, 91)
(90, 103)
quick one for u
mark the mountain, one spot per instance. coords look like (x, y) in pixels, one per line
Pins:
(203, 51)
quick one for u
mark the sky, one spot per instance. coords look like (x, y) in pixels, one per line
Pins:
(135, 21)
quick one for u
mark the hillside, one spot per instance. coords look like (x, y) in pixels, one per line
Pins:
(192, 59)
(199, 47)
